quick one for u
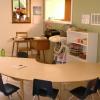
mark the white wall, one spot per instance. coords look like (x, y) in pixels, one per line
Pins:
(8, 30)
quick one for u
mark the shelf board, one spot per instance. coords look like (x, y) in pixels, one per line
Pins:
(79, 43)
(77, 58)
(24, 49)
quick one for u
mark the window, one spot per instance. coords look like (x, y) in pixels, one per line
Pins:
(58, 10)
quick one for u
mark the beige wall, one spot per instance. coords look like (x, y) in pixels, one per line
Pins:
(8, 30)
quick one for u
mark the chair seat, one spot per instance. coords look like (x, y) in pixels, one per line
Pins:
(55, 93)
(9, 89)
(43, 92)
(80, 92)
(99, 84)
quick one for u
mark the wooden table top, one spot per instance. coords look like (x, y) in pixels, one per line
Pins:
(29, 68)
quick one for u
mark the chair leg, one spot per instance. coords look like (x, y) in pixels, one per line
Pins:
(19, 95)
(98, 93)
(58, 97)
(9, 97)
(13, 48)
(70, 97)
(27, 47)
(38, 54)
(38, 98)
(92, 97)
(34, 97)
(51, 99)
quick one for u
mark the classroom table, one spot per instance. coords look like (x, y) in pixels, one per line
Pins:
(29, 69)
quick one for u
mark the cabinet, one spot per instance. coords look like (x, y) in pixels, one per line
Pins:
(82, 46)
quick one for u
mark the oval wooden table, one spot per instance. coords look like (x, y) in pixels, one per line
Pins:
(29, 69)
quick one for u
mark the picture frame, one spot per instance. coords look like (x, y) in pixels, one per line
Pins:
(36, 10)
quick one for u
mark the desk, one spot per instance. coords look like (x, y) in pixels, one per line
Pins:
(69, 72)
(40, 44)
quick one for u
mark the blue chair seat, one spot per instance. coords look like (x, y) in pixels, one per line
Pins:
(82, 92)
(9, 89)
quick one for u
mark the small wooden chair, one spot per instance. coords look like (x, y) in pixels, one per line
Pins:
(21, 38)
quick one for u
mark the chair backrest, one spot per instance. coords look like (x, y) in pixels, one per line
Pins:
(99, 84)
(21, 34)
(1, 84)
(42, 87)
(92, 86)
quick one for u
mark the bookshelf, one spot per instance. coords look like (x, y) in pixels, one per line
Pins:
(82, 46)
